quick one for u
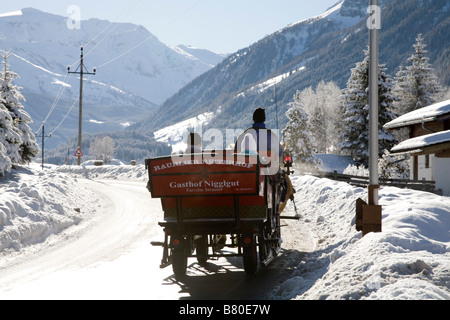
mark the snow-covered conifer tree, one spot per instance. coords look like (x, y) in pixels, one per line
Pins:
(354, 131)
(321, 105)
(417, 86)
(297, 134)
(21, 140)
(393, 167)
(318, 127)
(403, 101)
(5, 128)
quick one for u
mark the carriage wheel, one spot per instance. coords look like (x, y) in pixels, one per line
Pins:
(250, 258)
(201, 248)
(179, 262)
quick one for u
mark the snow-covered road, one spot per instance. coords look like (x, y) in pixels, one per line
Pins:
(110, 257)
(107, 257)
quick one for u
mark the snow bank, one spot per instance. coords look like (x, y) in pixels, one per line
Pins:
(331, 162)
(409, 259)
(35, 205)
(112, 171)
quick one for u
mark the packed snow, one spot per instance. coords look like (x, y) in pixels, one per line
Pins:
(11, 14)
(332, 13)
(409, 259)
(425, 114)
(176, 135)
(423, 141)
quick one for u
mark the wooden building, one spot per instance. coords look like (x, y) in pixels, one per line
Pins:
(428, 143)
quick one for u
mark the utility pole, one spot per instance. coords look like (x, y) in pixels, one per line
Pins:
(372, 212)
(368, 215)
(373, 103)
(81, 70)
(43, 136)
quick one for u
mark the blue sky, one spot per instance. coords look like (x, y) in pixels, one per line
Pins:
(221, 25)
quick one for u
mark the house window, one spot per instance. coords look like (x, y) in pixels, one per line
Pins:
(427, 161)
(415, 166)
(447, 124)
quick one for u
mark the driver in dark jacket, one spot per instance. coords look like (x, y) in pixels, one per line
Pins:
(259, 139)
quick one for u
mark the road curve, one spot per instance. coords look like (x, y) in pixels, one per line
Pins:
(110, 257)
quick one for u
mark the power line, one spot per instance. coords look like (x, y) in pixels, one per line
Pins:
(55, 102)
(58, 96)
(115, 25)
(125, 53)
(150, 37)
(68, 112)
(124, 14)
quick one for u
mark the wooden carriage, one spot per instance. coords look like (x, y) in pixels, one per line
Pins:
(213, 200)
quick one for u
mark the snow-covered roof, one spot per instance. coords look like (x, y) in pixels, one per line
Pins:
(425, 114)
(417, 144)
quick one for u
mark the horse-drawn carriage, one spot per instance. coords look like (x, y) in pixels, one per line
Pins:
(213, 200)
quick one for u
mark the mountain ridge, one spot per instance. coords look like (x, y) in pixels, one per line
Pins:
(43, 46)
(327, 49)
(248, 66)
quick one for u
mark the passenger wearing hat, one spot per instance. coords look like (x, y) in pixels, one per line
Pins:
(194, 143)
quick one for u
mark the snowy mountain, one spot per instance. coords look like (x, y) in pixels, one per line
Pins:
(134, 70)
(207, 56)
(272, 56)
(325, 47)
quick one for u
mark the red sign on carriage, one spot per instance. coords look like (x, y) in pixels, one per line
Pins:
(171, 177)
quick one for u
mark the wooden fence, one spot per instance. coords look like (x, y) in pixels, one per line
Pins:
(422, 185)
